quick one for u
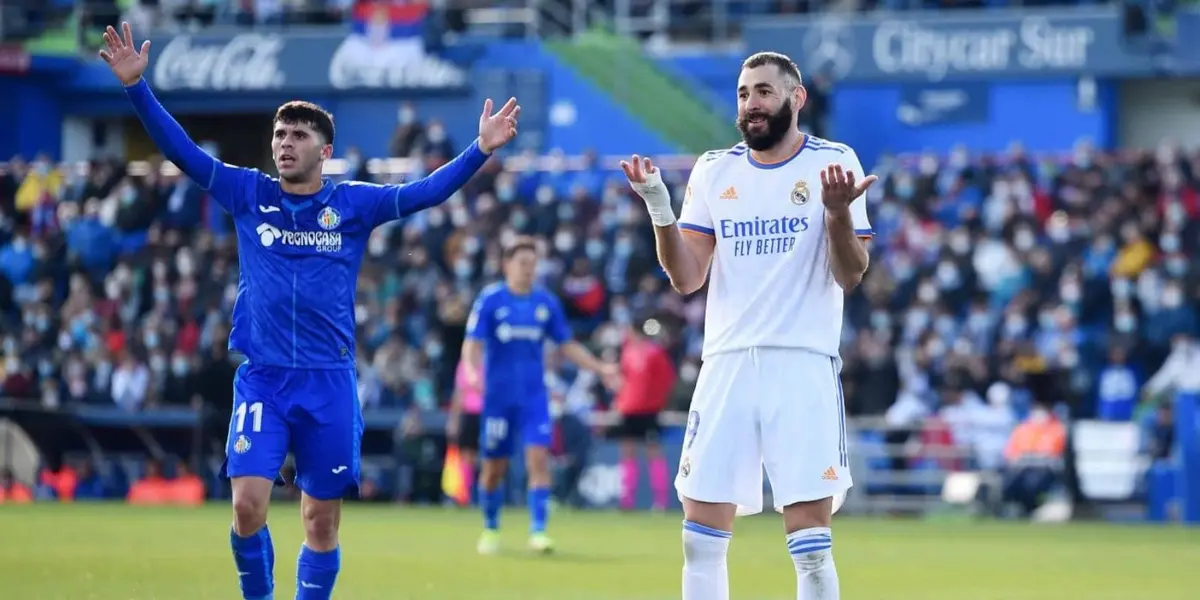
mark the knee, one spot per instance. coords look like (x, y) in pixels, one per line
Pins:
(321, 524)
(491, 473)
(249, 513)
(539, 467)
(704, 545)
(803, 515)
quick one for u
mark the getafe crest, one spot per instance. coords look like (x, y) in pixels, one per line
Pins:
(800, 193)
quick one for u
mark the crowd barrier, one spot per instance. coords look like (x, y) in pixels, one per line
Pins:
(403, 455)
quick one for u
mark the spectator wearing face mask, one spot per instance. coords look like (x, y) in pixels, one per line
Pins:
(130, 383)
(1117, 389)
(1033, 459)
(42, 184)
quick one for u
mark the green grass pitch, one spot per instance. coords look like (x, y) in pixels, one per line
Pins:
(115, 552)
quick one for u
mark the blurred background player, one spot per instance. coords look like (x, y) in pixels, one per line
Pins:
(301, 243)
(774, 218)
(647, 378)
(462, 424)
(507, 332)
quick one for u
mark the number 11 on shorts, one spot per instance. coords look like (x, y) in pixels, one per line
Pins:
(255, 411)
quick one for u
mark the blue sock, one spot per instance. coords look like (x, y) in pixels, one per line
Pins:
(539, 509)
(255, 560)
(316, 572)
(491, 500)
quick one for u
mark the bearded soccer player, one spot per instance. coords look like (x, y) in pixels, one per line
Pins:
(507, 332)
(301, 240)
(780, 219)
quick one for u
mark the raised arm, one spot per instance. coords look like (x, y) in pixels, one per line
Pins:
(495, 130)
(685, 249)
(170, 138)
(128, 64)
(846, 224)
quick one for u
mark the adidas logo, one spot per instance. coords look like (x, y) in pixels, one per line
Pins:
(729, 194)
(829, 474)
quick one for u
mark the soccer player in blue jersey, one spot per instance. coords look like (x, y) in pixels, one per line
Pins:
(301, 240)
(509, 326)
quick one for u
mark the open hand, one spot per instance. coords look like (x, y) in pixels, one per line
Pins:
(838, 188)
(496, 130)
(638, 169)
(126, 62)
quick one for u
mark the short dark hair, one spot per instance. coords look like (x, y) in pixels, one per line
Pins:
(299, 112)
(785, 65)
(522, 242)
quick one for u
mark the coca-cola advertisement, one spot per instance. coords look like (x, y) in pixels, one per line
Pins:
(247, 61)
(379, 56)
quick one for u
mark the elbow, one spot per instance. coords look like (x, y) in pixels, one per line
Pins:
(686, 287)
(850, 281)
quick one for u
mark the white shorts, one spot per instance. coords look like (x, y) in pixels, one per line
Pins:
(779, 408)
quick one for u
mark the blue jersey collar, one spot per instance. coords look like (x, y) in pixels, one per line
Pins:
(322, 196)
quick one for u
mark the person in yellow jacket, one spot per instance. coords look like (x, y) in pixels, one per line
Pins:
(42, 182)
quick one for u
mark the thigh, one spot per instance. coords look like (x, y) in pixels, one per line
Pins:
(468, 431)
(721, 461)
(498, 429)
(327, 428)
(645, 428)
(537, 428)
(803, 427)
(259, 436)
(636, 428)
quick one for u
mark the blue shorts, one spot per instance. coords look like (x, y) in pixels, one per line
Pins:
(503, 422)
(312, 413)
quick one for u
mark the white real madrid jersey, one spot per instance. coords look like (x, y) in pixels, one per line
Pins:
(771, 284)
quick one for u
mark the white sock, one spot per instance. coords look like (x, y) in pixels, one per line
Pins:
(812, 551)
(705, 574)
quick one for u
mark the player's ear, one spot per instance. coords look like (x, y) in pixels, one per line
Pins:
(799, 97)
(327, 152)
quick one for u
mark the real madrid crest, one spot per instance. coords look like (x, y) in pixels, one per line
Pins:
(800, 193)
(687, 195)
(685, 467)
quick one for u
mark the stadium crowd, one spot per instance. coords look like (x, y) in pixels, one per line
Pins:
(1000, 284)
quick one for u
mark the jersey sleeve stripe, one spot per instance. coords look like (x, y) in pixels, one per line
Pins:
(688, 227)
(397, 201)
(864, 232)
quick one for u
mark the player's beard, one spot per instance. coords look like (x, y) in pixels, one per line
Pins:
(777, 126)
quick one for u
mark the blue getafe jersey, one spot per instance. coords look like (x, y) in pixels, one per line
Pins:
(299, 258)
(299, 255)
(514, 329)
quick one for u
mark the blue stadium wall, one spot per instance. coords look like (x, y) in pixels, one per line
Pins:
(1044, 114)
(35, 106)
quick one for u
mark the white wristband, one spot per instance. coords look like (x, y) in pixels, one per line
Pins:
(658, 199)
